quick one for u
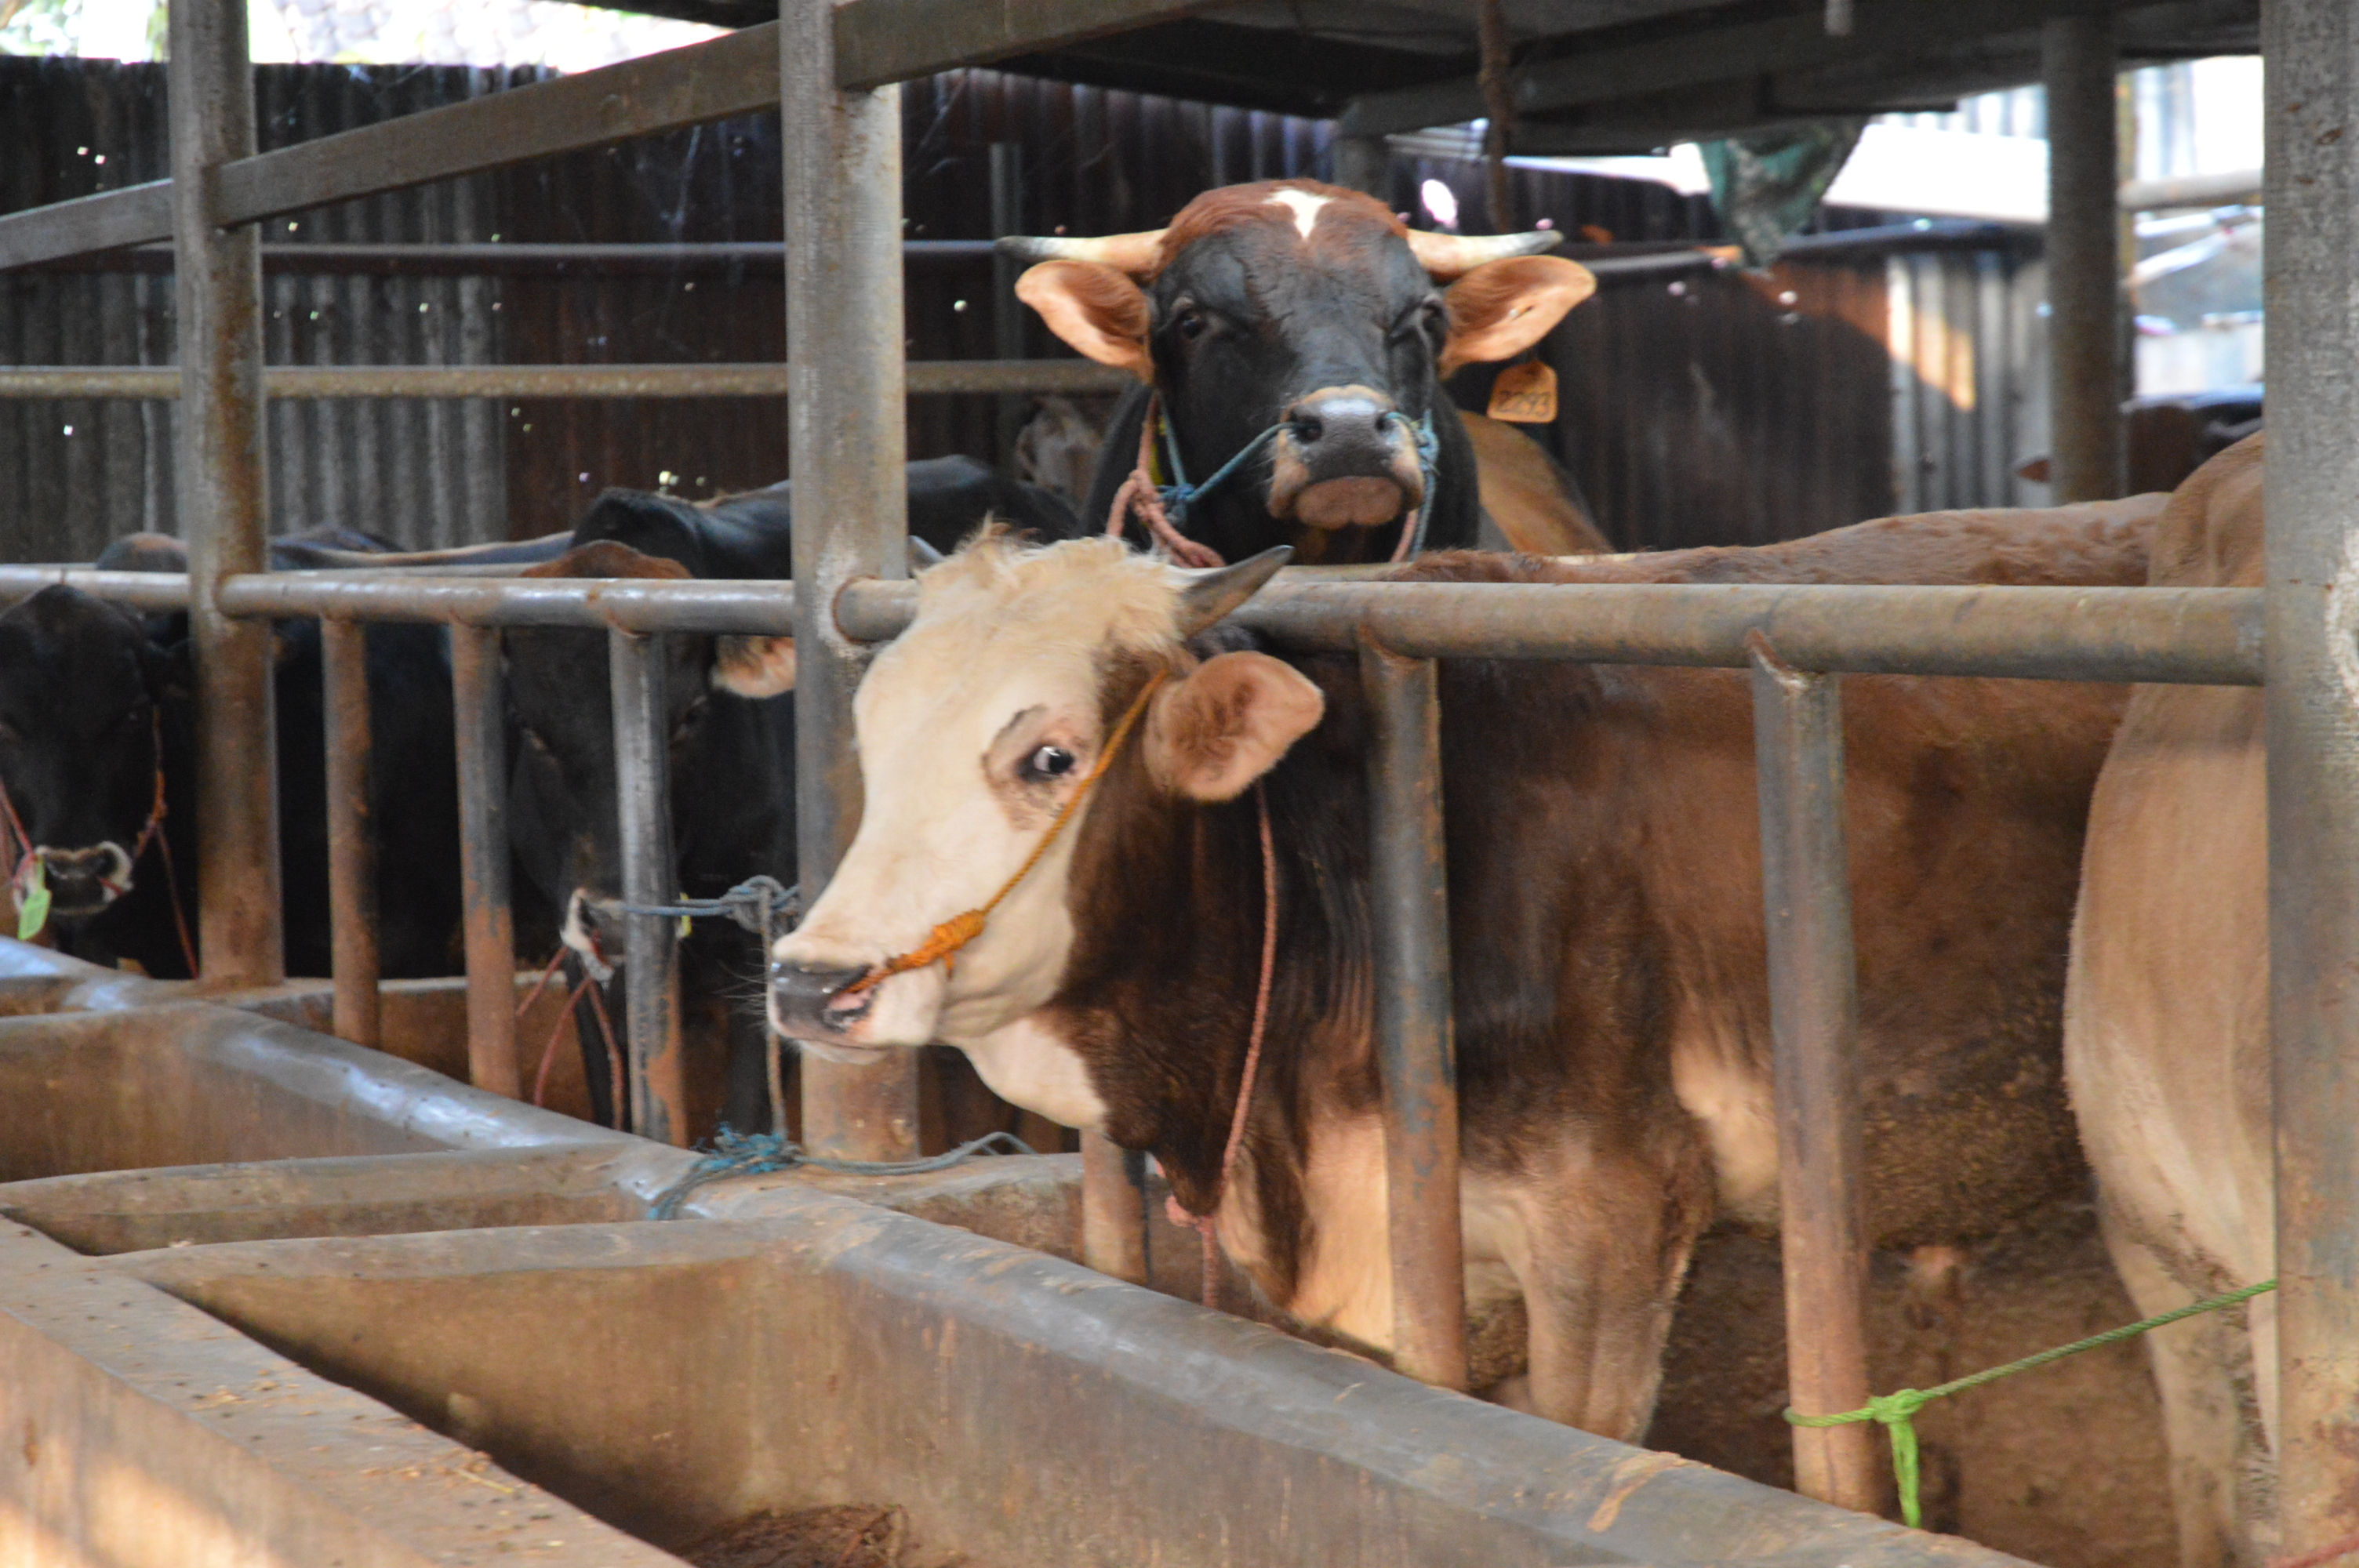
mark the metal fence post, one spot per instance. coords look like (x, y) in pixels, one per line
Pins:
(2312, 164)
(651, 943)
(482, 720)
(2078, 60)
(219, 479)
(1113, 1209)
(352, 831)
(847, 442)
(1814, 1018)
(1008, 311)
(1416, 1055)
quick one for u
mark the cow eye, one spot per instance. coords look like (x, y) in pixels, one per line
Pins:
(1189, 323)
(1048, 763)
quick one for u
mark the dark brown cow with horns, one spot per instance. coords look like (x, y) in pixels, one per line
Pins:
(1611, 1006)
(1291, 338)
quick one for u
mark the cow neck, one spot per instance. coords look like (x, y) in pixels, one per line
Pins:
(1164, 508)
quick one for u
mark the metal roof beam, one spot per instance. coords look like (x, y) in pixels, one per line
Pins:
(1694, 57)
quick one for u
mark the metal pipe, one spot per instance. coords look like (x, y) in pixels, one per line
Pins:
(1814, 1024)
(219, 475)
(737, 258)
(650, 942)
(2200, 637)
(846, 441)
(2312, 484)
(140, 590)
(2204, 636)
(2078, 60)
(2234, 188)
(1415, 1055)
(1113, 1209)
(927, 378)
(351, 832)
(1008, 312)
(481, 718)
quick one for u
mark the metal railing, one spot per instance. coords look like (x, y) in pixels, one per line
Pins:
(825, 68)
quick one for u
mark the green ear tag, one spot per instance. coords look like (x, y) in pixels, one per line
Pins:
(33, 904)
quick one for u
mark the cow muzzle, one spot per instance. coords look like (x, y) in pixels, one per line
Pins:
(1346, 459)
(809, 1006)
(84, 881)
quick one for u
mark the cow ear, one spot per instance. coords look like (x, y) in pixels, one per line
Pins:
(1502, 308)
(755, 666)
(1225, 726)
(1095, 309)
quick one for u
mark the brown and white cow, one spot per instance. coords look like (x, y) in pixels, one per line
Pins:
(2167, 1035)
(1605, 919)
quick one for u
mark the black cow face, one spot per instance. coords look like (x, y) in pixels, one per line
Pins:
(564, 797)
(78, 687)
(1311, 311)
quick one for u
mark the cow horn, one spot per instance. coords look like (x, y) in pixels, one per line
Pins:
(1454, 255)
(1138, 255)
(922, 556)
(1215, 590)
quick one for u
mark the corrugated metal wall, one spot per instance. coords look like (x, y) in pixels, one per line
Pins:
(74, 474)
(1703, 409)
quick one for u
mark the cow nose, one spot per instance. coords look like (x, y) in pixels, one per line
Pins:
(814, 998)
(1343, 430)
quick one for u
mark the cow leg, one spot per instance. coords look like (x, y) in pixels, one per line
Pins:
(1607, 1241)
(2202, 1419)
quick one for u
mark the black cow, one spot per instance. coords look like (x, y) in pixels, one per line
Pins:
(732, 774)
(1304, 317)
(98, 732)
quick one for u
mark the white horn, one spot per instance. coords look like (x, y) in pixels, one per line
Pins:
(1139, 254)
(1213, 591)
(1454, 255)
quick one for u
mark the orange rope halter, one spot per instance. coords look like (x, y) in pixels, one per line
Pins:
(943, 942)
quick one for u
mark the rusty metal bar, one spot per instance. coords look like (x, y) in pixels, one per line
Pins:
(1415, 1055)
(2312, 164)
(480, 713)
(1814, 1023)
(1113, 1209)
(650, 942)
(927, 378)
(846, 441)
(2079, 59)
(2209, 636)
(351, 831)
(221, 477)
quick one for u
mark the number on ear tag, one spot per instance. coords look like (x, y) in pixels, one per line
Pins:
(1525, 394)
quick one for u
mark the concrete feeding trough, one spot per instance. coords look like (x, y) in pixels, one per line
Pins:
(269, 1290)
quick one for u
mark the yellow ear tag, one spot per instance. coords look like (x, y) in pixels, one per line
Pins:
(1525, 394)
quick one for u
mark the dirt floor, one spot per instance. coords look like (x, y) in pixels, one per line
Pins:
(2063, 1466)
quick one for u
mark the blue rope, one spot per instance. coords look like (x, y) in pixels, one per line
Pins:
(761, 1153)
(1180, 495)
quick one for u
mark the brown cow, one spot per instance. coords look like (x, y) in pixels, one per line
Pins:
(1605, 919)
(2167, 1034)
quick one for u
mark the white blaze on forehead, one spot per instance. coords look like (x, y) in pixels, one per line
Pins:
(1303, 205)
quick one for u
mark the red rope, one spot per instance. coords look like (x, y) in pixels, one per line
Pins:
(2323, 1555)
(1140, 495)
(1206, 1224)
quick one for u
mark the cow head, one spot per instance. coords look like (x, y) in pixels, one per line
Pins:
(976, 728)
(1314, 308)
(563, 788)
(79, 682)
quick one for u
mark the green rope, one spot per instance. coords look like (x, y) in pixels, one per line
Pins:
(1897, 1411)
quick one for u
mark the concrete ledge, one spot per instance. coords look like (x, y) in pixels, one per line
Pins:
(1022, 1408)
(141, 1431)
